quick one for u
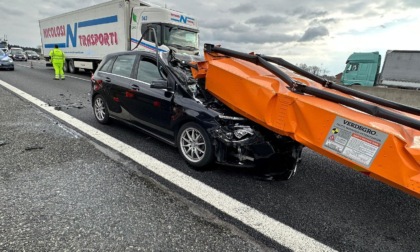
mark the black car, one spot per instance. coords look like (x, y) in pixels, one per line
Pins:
(32, 55)
(17, 54)
(162, 99)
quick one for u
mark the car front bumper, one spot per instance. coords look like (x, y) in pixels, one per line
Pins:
(7, 65)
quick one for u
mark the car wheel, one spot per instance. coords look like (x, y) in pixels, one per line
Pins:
(100, 109)
(194, 145)
(280, 167)
(286, 174)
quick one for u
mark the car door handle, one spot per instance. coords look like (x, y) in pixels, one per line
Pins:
(107, 79)
(135, 87)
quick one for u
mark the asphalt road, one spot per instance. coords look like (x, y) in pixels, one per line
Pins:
(333, 204)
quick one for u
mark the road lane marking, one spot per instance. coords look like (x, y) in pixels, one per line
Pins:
(67, 76)
(277, 231)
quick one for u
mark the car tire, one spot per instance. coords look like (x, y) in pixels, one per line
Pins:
(100, 109)
(280, 167)
(286, 174)
(195, 146)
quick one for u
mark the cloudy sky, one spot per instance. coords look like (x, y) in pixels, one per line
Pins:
(315, 32)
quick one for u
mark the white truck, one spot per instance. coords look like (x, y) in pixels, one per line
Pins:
(88, 34)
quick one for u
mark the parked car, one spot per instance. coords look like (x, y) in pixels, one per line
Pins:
(159, 96)
(32, 55)
(6, 62)
(17, 54)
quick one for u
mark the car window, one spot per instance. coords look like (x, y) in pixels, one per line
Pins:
(106, 67)
(124, 64)
(14, 51)
(148, 71)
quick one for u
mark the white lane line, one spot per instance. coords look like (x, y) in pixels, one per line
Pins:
(279, 232)
(67, 76)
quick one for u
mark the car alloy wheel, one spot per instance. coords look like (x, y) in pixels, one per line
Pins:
(194, 145)
(100, 109)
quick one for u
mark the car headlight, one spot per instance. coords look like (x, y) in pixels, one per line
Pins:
(10, 60)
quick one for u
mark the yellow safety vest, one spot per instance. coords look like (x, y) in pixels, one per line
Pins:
(57, 56)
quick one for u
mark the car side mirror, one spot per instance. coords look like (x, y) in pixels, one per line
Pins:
(159, 84)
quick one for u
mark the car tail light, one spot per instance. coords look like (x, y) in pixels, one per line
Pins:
(97, 84)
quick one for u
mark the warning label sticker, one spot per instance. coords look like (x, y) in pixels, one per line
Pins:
(354, 141)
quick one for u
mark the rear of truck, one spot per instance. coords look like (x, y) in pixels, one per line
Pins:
(87, 35)
(401, 69)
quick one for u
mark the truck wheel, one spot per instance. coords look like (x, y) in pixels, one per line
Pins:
(194, 145)
(100, 109)
(66, 66)
(72, 69)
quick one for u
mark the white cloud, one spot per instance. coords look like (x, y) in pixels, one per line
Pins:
(334, 29)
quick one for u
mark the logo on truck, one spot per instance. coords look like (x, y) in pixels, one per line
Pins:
(71, 34)
(182, 19)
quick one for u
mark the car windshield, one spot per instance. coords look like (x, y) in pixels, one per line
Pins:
(180, 65)
(1, 53)
(180, 38)
(15, 51)
(30, 52)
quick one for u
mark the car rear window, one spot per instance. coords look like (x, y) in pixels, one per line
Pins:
(107, 66)
(123, 65)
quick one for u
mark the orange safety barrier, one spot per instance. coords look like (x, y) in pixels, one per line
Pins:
(383, 148)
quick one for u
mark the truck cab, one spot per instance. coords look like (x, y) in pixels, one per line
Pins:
(175, 30)
(361, 69)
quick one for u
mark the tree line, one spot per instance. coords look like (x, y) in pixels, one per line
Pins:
(38, 50)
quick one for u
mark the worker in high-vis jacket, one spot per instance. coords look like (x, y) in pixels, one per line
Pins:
(57, 60)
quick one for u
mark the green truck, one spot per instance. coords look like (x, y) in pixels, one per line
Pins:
(400, 69)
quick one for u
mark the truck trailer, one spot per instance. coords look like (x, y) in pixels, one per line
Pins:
(400, 69)
(88, 34)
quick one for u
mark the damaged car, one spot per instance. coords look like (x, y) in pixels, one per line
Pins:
(157, 94)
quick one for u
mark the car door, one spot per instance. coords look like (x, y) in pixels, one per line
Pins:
(154, 106)
(119, 82)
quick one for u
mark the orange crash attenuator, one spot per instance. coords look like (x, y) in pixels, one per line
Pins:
(375, 136)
